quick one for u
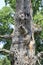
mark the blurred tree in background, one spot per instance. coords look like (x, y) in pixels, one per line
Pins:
(5, 20)
(4, 61)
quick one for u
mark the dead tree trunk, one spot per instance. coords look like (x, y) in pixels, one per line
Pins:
(23, 44)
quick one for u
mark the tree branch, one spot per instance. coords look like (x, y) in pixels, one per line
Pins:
(6, 36)
(40, 54)
(4, 50)
(39, 62)
(36, 28)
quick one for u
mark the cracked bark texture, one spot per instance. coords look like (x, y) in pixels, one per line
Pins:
(23, 43)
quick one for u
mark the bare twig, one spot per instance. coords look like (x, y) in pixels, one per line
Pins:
(39, 62)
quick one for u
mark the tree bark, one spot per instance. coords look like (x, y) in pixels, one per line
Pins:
(23, 43)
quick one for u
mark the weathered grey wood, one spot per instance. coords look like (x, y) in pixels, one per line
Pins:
(23, 44)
